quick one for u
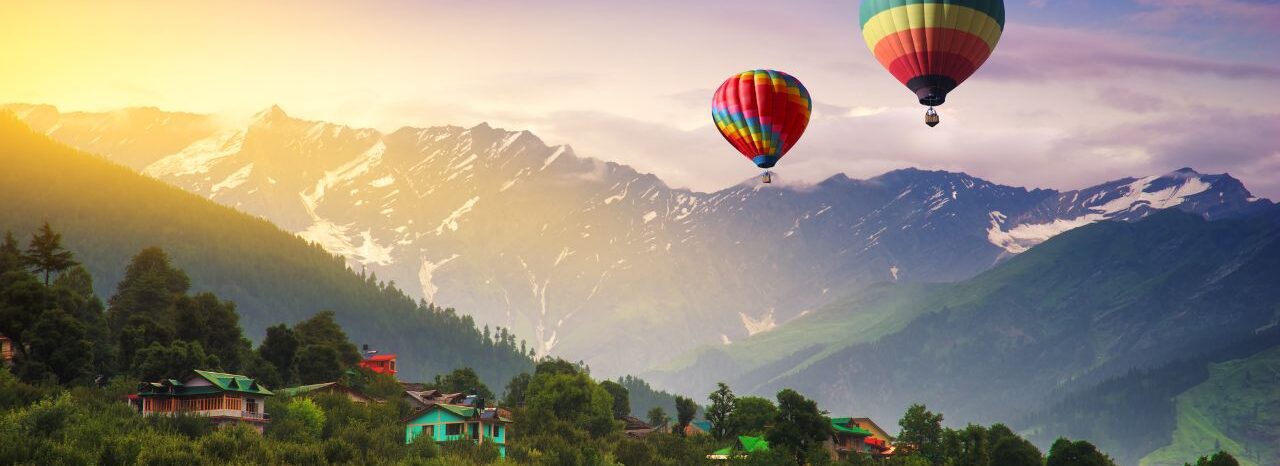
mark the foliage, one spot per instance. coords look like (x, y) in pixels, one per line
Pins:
(463, 380)
(799, 427)
(621, 398)
(751, 415)
(723, 403)
(1078, 453)
(686, 410)
(45, 253)
(1221, 458)
(657, 417)
(921, 433)
(517, 390)
(318, 364)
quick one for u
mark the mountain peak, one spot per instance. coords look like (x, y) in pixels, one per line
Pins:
(273, 113)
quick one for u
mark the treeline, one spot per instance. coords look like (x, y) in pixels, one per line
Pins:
(107, 213)
(1109, 411)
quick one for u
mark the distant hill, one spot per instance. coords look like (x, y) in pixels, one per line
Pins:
(107, 213)
(1084, 307)
(591, 259)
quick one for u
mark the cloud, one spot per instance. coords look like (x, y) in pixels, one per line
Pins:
(1036, 53)
(1168, 14)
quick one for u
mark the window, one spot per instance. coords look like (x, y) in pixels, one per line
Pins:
(453, 429)
(496, 432)
(251, 405)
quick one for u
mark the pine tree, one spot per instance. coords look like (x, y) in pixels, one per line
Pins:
(45, 253)
(10, 257)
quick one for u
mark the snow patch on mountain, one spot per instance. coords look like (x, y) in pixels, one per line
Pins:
(753, 325)
(199, 157)
(1138, 197)
(426, 275)
(451, 222)
(235, 179)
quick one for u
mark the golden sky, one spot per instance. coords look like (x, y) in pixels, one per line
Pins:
(1076, 93)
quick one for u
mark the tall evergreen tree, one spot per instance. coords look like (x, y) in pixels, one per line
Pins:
(279, 348)
(10, 256)
(322, 329)
(621, 399)
(45, 253)
(57, 347)
(214, 324)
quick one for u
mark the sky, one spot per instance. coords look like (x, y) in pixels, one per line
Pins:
(1078, 91)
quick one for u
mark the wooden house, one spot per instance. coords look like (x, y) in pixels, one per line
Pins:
(6, 350)
(636, 428)
(330, 388)
(858, 436)
(224, 398)
(421, 399)
(446, 423)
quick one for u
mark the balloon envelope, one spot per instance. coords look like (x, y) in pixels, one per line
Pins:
(762, 113)
(932, 46)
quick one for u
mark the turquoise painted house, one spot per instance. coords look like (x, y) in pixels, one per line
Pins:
(446, 423)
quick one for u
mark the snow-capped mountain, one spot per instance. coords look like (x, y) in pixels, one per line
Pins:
(591, 259)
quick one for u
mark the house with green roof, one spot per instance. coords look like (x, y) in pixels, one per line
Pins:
(858, 436)
(224, 398)
(745, 447)
(447, 423)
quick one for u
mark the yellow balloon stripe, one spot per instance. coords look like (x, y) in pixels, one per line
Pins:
(931, 15)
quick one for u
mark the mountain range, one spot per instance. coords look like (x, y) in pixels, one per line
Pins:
(106, 213)
(590, 259)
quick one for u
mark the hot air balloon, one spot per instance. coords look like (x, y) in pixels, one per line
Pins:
(932, 45)
(762, 113)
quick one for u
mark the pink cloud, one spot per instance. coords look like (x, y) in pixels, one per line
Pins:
(1037, 53)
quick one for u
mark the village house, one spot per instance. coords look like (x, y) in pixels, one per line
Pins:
(424, 398)
(634, 427)
(745, 447)
(858, 436)
(380, 363)
(6, 350)
(330, 388)
(446, 423)
(224, 398)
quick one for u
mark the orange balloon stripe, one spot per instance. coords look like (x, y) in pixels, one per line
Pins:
(944, 49)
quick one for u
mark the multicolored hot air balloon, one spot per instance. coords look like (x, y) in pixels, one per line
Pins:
(762, 113)
(932, 45)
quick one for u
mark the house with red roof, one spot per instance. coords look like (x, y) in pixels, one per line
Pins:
(380, 363)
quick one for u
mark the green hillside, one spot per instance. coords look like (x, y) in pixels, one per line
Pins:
(1236, 410)
(1085, 307)
(107, 213)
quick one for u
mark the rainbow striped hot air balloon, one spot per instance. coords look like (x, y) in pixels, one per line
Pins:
(762, 113)
(932, 45)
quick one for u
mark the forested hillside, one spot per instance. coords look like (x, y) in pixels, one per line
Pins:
(107, 213)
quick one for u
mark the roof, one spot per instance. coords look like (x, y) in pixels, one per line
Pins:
(220, 382)
(704, 426)
(291, 391)
(381, 357)
(753, 444)
(465, 412)
(294, 391)
(234, 382)
(845, 425)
